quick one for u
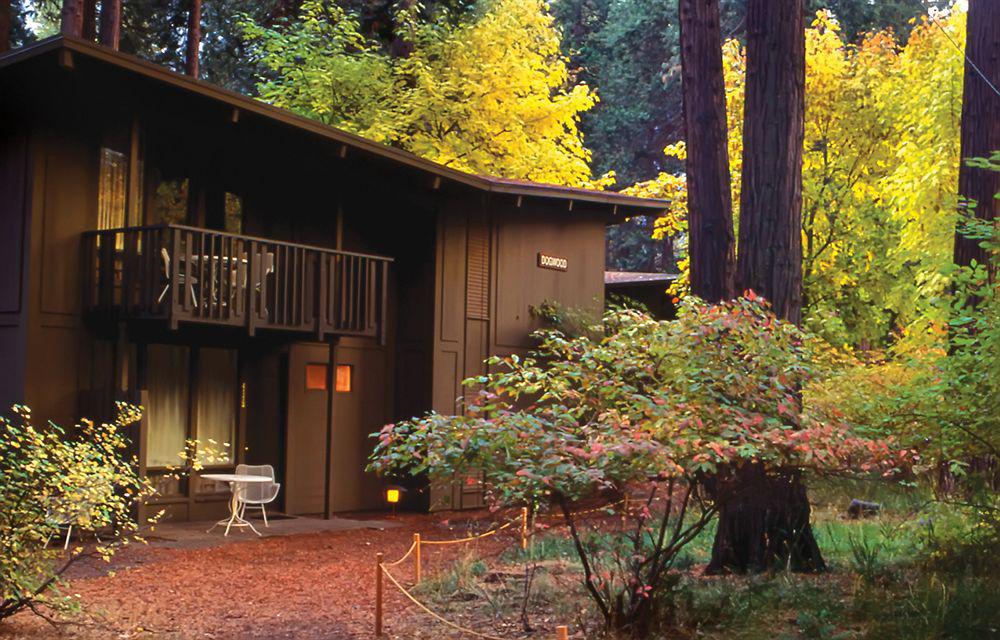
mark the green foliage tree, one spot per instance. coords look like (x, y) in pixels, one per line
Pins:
(667, 412)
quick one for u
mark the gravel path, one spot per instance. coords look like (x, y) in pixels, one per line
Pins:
(317, 585)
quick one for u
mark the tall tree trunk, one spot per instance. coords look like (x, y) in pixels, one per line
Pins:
(111, 23)
(763, 523)
(763, 513)
(6, 24)
(72, 18)
(710, 207)
(769, 260)
(89, 30)
(194, 38)
(980, 121)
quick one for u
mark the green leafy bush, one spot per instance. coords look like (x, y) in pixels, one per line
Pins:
(642, 408)
(49, 479)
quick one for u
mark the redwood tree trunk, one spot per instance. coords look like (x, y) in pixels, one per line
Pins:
(72, 18)
(6, 23)
(763, 523)
(770, 244)
(980, 121)
(764, 515)
(111, 23)
(194, 38)
(89, 30)
(710, 209)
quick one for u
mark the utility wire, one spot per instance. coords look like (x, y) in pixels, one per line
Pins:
(965, 55)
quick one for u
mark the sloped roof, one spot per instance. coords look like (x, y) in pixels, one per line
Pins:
(637, 277)
(620, 204)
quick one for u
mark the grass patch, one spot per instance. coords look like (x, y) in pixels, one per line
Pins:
(918, 571)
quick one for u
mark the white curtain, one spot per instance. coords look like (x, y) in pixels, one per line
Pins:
(215, 398)
(167, 382)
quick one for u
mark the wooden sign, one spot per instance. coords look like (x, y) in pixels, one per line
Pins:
(545, 261)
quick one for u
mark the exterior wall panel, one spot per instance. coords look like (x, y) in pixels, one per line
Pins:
(63, 207)
(14, 217)
(520, 283)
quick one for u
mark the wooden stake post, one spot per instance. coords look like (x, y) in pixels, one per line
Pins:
(378, 595)
(416, 558)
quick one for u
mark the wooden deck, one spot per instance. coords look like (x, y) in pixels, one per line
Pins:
(186, 274)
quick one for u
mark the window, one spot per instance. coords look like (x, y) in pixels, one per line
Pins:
(344, 374)
(119, 188)
(214, 394)
(112, 189)
(169, 200)
(477, 271)
(234, 213)
(215, 398)
(168, 369)
(315, 377)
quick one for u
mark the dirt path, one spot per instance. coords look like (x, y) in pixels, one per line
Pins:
(317, 585)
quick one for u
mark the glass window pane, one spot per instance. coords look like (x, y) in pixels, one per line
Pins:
(216, 403)
(167, 382)
(344, 372)
(315, 377)
(234, 213)
(169, 197)
(111, 189)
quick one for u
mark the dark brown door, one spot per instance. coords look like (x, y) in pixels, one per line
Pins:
(305, 461)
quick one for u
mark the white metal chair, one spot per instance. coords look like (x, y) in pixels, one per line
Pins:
(257, 494)
(63, 514)
(165, 257)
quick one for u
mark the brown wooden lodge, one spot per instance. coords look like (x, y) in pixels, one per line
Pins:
(254, 277)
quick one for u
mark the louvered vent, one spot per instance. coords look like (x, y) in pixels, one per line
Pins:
(477, 273)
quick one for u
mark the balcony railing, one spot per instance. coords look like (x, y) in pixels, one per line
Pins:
(186, 274)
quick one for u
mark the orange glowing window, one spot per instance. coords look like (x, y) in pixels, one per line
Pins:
(344, 374)
(315, 377)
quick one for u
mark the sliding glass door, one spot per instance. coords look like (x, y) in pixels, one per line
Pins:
(192, 396)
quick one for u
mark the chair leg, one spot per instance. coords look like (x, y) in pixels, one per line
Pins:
(69, 532)
(263, 512)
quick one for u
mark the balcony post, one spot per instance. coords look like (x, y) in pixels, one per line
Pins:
(383, 304)
(177, 290)
(322, 284)
(253, 269)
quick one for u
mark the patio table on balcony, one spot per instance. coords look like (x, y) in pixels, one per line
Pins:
(200, 276)
(237, 486)
(235, 267)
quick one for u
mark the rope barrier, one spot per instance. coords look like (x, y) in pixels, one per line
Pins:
(434, 615)
(405, 555)
(577, 514)
(523, 519)
(471, 538)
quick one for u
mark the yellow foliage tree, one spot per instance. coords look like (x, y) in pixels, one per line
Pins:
(880, 167)
(487, 93)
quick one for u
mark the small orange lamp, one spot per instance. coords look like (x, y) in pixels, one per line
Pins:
(393, 494)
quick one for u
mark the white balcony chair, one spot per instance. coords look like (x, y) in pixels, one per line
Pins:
(257, 494)
(165, 257)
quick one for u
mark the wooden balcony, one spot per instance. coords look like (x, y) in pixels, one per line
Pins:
(185, 274)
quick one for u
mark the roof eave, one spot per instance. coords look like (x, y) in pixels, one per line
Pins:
(622, 205)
